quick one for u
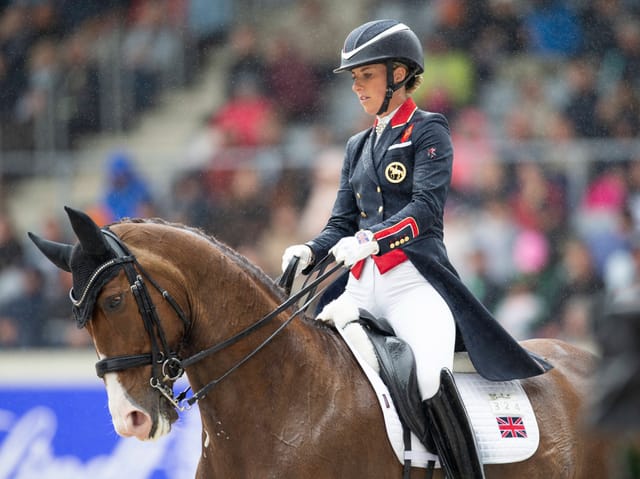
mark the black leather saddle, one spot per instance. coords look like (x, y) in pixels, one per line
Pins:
(398, 371)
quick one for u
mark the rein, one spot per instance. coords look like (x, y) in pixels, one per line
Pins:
(200, 394)
(167, 366)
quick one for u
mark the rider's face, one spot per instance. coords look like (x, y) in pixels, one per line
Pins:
(370, 85)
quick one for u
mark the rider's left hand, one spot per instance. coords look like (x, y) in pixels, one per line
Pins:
(352, 249)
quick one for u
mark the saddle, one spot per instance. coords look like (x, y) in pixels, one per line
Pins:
(398, 372)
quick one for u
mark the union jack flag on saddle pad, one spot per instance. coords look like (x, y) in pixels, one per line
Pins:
(511, 426)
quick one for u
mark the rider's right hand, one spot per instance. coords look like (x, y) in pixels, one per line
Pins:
(302, 251)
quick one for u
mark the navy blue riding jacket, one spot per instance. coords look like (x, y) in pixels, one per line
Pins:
(397, 188)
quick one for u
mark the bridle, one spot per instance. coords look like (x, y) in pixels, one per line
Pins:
(167, 365)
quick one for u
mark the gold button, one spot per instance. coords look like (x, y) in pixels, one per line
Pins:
(406, 238)
(402, 241)
(358, 195)
(378, 190)
(397, 243)
(391, 246)
(380, 209)
(363, 214)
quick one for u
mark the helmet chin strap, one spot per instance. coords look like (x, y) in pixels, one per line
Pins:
(391, 86)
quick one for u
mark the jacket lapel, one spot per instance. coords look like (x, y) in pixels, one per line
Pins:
(392, 132)
(368, 158)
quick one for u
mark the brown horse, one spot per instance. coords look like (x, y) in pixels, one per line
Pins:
(289, 405)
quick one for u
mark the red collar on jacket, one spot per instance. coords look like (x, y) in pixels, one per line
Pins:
(403, 115)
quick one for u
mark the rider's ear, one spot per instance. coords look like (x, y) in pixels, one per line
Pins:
(399, 72)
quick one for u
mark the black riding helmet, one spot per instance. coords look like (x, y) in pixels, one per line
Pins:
(383, 41)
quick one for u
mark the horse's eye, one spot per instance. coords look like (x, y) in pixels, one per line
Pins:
(113, 302)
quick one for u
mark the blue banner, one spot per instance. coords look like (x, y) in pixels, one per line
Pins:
(49, 432)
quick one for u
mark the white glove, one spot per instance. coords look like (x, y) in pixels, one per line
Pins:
(302, 251)
(352, 249)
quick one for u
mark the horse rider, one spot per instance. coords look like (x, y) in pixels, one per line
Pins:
(387, 227)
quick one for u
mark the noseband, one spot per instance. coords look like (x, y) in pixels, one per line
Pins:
(167, 366)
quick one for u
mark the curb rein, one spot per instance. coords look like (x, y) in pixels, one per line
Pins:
(167, 366)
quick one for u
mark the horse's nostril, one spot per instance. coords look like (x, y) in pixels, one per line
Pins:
(138, 419)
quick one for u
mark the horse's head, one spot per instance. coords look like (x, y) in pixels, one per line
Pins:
(137, 327)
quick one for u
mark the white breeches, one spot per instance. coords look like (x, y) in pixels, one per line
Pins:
(417, 313)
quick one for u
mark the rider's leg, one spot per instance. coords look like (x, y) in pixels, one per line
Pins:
(422, 318)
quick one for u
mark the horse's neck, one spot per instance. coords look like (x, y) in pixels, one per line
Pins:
(293, 374)
(291, 379)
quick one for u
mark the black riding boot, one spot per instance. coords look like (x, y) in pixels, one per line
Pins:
(451, 431)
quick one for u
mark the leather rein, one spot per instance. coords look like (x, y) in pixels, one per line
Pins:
(167, 365)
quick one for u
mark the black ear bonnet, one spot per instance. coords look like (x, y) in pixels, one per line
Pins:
(92, 261)
(92, 272)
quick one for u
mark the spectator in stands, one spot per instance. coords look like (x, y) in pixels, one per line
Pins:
(248, 118)
(450, 83)
(474, 151)
(582, 101)
(11, 259)
(247, 126)
(458, 22)
(150, 53)
(37, 106)
(575, 324)
(11, 250)
(325, 174)
(622, 268)
(618, 111)
(621, 61)
(190, 202)
(127, 193)
(209, 23)
(552, 29)
(603, 199)
(80, 88)
(494, 232)
(499, 38)
(612, 251)
(598, 19)
(537, 203)
(532, 98)
(574, 276)
(479, 281)
(520, 309)
(240, 216)
(288, 74)
(316, 28)
(44, 21)
(15, 41)
(246, 61)
(26, 313)
(276, 235)
(632, 178)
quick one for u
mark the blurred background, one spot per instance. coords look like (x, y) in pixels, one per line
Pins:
(226, 115)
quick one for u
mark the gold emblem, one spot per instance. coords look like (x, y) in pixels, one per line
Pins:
(395, 172)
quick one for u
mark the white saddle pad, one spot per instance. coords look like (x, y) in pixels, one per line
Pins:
(501, 416)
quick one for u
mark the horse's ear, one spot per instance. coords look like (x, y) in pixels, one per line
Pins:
(58, 253)
(88, 233)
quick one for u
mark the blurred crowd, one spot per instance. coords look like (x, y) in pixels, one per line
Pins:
(543, 217)
(66, 64)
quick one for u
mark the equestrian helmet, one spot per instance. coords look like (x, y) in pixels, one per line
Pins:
(381, 41)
